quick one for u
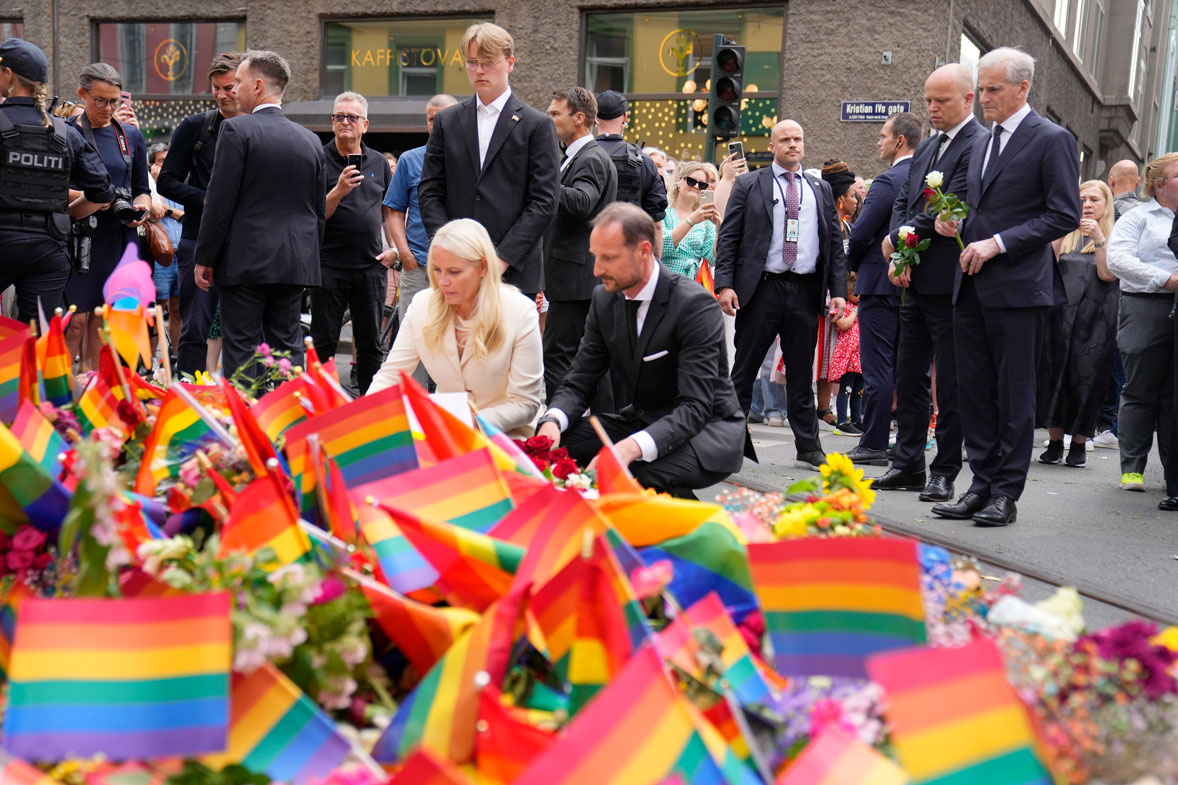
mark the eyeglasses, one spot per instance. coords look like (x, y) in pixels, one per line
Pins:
(486, 65)
(702, 185)
(102, 103)
(351, 119)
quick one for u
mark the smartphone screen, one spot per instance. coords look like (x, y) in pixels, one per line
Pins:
(356, 161)
(707, 197)
(736, 147)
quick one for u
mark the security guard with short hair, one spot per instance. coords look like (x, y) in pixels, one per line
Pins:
(40, 157)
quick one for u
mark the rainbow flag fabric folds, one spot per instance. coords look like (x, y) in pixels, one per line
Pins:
(612, 476)
(126, 678)
(282, 408)
(424, 633)
(836, 757)
(55, 365)
(98, 406)
(831, 603)
(742, 673)
(43, 499)
(13, 337)
(276, 729)
(40, 440)
(955, 718)
(178, 433)
(264, 516)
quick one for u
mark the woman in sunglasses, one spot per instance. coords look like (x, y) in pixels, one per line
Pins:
(689, 227)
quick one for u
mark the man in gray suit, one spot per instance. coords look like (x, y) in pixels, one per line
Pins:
(264, 213)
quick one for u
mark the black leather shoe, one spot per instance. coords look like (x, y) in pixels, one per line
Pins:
(939, 489)
(1169, 504)
(962, 509)
(811, 460)
(868, 456)
(896, 480)
(999, 511)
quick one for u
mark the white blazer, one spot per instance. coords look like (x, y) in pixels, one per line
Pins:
(506, 386)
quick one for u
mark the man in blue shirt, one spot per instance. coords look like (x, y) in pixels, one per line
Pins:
(403, 218)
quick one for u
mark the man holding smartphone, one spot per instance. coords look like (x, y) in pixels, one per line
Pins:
(353, 262)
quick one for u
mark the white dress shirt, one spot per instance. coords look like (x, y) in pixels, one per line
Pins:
(488, 116)
(952, 134)
(650, 450)
(807, 260)
(1137, 251)
(1009, 126)
(571, 151)
(260, 107)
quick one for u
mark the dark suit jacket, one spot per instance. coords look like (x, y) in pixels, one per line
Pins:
(872, 225)
(266, 203)
(677, 381)
(588, 183)
(743, 241)
(1032, 199)
(514, 194)
(935, 273)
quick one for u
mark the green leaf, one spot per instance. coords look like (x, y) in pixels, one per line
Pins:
(802, 486)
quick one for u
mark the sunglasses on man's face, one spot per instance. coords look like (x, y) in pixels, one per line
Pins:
(700, 184)
(350, 119)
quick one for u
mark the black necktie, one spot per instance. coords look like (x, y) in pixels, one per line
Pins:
(937, 151)
(995, 148)
(632, 323)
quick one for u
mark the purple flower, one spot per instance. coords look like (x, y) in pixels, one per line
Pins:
(264, 349)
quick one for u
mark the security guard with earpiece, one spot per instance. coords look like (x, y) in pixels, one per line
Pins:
(40, 157)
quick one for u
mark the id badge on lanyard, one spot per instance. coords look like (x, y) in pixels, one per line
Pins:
(791, 230)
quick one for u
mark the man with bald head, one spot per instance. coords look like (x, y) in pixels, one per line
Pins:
(926, 318)
(1123, 179)
(778, 252)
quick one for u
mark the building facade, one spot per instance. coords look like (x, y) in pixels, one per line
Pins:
(1106, 68)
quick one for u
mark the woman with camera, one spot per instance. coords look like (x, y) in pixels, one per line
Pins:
(124, 153)
(39, 157)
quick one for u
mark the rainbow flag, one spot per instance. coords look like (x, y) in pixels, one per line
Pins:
(444, 435)
(98, 406)
(37, 435)
(12, 351)
(550, 525)
(424, 633)
(128, 333)
(401, 566)
(424, 768)
(837, 757)
(612, 476)
(132, 523)
(369, 439)
(126, 678)
(831, 603)
(955, 718)
(8, 610)
(253, 439)
(507, 742)
(43, 499)
(55, 365)
(281, 408)
(742, 673)
(30, 388)
(176, 436)
(263, 516)
(703, 276)
(274, 728)
(524, 464)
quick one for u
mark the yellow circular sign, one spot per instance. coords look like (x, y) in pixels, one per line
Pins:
(170, 60)
(680, 52)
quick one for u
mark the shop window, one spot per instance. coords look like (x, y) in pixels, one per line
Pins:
(165, 58)
(11, 28)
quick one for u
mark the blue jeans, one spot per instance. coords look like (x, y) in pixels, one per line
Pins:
(850, 391)
(766, 390)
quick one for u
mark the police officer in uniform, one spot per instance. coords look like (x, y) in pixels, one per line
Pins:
(639, 181)
(40, 157)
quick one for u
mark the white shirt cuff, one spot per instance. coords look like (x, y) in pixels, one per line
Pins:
(1001, 245)
(561, 418)
(1158, 282)
(650, 450)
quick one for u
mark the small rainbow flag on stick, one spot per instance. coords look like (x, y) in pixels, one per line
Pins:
(13, 337)
(125, 678)
(276, 729)
(43, 499)
(264, 516)
(281, 408)
(831, 603)
(742, 673)
(836, 757)
(955, 718)
(177, 434)
(39, 438)
(98, 406)
(55, 364)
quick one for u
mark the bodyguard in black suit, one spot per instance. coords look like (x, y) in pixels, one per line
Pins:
(1022, 194)
(879, 298)
(664, 337)
(263, 219)
(926, 320)
(588, 182)
(493, 158)
(778, 252)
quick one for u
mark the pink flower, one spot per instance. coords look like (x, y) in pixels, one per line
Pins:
(18, 560)
(331, 588)
(284, 365)
(828, 711)
(264, 349)
(28, 538)
(650, 581)
(267, 360)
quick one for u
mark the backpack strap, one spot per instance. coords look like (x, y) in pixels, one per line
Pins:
(7, 129)
(206, 130)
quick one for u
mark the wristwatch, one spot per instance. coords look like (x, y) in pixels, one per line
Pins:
(1100, 244)
(543, 420)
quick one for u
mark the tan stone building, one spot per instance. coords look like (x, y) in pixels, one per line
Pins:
(1102, 63)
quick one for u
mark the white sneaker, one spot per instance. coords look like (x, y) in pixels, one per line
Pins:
(1089, 446)
(1106, 439)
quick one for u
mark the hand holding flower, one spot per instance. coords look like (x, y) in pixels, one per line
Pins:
(950, 210)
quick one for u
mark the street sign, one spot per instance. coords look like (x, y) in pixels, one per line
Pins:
(871, 111)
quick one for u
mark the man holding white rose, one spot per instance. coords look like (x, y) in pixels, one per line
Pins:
(926, 318)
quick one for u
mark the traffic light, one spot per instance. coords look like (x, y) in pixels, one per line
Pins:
(727, 88)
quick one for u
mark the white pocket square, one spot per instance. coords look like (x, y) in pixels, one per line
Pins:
(655, 356)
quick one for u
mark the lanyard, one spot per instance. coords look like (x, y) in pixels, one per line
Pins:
(124, 148)
(784, 203)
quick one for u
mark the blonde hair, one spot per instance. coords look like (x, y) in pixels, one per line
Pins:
(1155, 172)
(40, 94)
(468, 240)
(489, 39)
(684, 168)
(1073, 240)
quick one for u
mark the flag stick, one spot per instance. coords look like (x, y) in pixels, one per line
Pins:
(209, 420)
(159, 328)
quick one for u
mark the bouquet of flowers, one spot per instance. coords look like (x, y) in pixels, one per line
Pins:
(841, 510)
(555, 463)
(946, 206)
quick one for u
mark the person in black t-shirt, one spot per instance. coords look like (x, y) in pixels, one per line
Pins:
(352, 257)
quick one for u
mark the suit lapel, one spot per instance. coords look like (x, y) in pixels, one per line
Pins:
(820, 203)
(977, 159)
(468, 120)
(654, 315)
(1017, 142)
(508, 120)
(767, 194)
(919, 171)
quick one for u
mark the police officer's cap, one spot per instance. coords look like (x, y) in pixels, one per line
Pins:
(25, 60)
(611, 105)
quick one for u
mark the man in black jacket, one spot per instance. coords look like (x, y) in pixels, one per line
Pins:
(264, 216)
(493, 158)
(184, 178)
(639, 181)
(588, 182)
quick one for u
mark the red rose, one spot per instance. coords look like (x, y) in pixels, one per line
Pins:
(911, 240)
(129, 414)
(541, 463)
(559, 454)
(18, 560)
(929, 193)
(5, 541)
(538, 445)
(43, 560)
(28, 538)
(561, 470)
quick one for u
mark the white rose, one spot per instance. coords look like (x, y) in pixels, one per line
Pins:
(934, 179)
(904, 231)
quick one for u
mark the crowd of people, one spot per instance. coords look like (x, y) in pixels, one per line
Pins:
(548, 268)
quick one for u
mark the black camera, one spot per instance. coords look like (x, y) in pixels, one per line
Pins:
(122, 209)
(79, 243)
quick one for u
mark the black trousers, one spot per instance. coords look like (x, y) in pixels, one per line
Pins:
(38, 265)
(363, 291)
(676, 470)
(563, 329)
(255, 312)
(997, 363)
(1171, 467)
(786, 307)
(196, 310)
(879, 335)
(926, 332)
